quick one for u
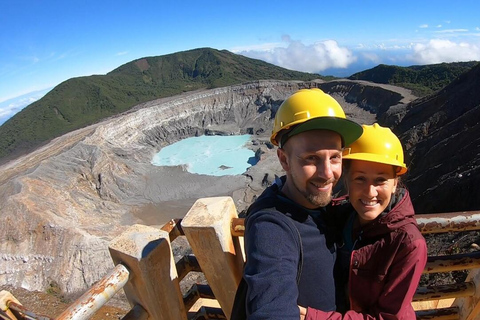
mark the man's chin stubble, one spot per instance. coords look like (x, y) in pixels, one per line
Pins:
(320, 200)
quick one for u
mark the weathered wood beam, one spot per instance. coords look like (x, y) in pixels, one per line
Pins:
(439, 314)
(456, 262)
(446, 291)
(147, 253)
(428, 223)
(207, 226)
(446, 222)
(187, 264)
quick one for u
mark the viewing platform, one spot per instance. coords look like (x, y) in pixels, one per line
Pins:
(144, 267)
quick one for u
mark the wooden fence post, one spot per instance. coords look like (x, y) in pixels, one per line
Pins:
(207, 226)
(153, 283)
(5, 298)
(469, 307)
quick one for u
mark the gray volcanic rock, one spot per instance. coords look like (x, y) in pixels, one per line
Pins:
(441, 133)
(62, 204)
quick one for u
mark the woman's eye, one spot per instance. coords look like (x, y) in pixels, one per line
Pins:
(380, 181)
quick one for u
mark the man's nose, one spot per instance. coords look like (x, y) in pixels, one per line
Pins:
(324, 170)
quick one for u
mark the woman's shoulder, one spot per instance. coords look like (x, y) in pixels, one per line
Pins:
(409, 235)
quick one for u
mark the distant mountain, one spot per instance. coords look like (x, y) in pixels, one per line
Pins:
(422, 80)
(82, 101)
(79, 102)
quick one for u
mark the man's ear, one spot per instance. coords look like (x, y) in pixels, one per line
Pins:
(282, 157)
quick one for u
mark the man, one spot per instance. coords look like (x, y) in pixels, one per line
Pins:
(289, 258)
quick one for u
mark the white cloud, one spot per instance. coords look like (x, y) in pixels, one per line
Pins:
(15, 105)
(121, 53)
(439, 26)
(423, 26)
(452, 31)
(308, 58)
(391, 46)
(438, 51)
(258, 47)
(372, 57)
(11, 106)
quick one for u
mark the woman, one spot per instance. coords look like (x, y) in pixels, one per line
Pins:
(387, 253)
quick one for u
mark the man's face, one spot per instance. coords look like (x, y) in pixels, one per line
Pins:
(312, 161)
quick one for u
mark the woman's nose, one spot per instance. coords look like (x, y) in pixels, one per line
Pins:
(372, 191)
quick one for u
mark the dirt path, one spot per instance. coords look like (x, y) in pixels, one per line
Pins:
(54, 147)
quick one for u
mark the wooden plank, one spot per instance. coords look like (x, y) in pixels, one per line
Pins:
(427, 223)
(432, 304)
(470, 307)
(5, 299)
(207, 226)
(446, 291)
(147, 254)
(456, 262)
(439, 314)
(448, 222)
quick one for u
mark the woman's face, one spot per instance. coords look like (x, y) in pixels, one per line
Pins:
(370, 187)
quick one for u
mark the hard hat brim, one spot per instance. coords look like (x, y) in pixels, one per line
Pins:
(401, 167)
(347, 129)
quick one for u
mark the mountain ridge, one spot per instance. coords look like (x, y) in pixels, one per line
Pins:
(82, 101)
(421, 79)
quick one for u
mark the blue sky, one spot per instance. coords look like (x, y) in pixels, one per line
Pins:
(43, 43)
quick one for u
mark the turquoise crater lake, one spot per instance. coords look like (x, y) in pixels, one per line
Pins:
(209, 155)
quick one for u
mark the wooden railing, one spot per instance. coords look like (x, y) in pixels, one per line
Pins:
(145, 268)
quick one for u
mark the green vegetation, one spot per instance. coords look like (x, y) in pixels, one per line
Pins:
(422, 80)
(79, 102)
(82, 101)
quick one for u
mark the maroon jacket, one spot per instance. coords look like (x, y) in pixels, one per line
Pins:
(385, 267)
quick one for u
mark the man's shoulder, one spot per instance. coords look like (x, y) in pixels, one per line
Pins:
(267, 200)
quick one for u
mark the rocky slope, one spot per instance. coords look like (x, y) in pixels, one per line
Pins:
(62, 204)
(441, 133)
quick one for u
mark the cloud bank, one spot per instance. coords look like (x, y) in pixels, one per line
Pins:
(307, 58)
(438, 51)
(329, 55)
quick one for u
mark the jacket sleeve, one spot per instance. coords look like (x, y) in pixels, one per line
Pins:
(396, 298)
(271, 267)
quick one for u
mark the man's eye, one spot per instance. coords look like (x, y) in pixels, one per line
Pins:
(337, 157)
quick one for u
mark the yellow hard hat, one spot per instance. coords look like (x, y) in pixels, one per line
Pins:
(310, 109)
(377, 144)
